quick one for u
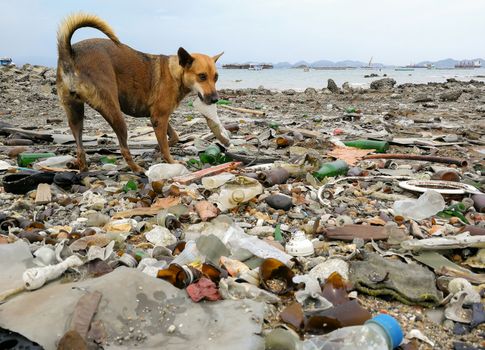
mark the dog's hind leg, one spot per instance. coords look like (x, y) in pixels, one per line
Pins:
(110, 110)
(75, 116)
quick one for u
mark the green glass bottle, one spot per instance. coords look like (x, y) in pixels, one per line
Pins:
(24, 159)
(379, 146)
(210, 155)
(331, 169)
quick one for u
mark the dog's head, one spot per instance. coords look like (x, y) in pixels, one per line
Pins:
(200, 74)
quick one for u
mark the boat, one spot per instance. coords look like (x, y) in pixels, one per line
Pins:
(250, 66)
(255, 67)
(412, 65)
(5, 61)
(369, 65)
(468, 64)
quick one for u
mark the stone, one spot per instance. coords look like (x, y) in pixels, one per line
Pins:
(383, 84)
(451, 96)
(420, 98)
(332, 86)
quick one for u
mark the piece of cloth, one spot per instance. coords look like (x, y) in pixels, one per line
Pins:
(411, 284)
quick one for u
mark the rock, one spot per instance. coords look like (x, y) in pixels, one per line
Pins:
(383, 84)
(310, 91)
(451, 96)
(423, 98)
(332, 86)
(279, 201)
(289, 92)
(430, 105)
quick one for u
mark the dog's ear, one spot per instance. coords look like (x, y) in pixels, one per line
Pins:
(216, 57)
(185, 60)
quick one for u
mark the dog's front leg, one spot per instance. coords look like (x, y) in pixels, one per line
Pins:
(160, 125)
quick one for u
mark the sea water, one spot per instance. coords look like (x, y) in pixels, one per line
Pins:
(298, 79)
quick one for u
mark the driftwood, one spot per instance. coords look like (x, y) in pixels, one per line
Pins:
(243, 110)
(189, 178)
(7, 129)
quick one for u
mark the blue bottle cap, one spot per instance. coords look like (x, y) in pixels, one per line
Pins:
(391, 326)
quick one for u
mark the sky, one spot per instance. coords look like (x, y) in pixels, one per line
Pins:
(391, 31)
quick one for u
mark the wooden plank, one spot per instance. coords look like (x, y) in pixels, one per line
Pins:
(189, 178)
(43, 194)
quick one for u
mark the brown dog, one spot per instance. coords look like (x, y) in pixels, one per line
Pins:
(113, 78)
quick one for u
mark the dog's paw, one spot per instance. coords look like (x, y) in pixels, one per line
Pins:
(137, 169)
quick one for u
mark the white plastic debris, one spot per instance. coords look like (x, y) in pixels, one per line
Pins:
(299, 245)
(427, 205)
(323, 270)
(213, 122)
(454, 310)
(232, 290)
(160, 236)
(311, 293)
(460, 285)
(165, 171)
(4, 165)
(93, 201)
(45, 256)
(36, 277)
(104, 254)
(240, 190)
(417, 334)
(211, 182)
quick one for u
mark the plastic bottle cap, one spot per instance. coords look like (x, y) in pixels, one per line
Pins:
(391, 326)
(299, 245)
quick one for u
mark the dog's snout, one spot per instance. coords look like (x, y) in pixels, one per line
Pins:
(214, 98)
(211, 99)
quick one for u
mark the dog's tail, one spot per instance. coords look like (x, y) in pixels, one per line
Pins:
(73, 23)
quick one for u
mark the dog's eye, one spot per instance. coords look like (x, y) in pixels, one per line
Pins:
(202, 77)
(216, 77)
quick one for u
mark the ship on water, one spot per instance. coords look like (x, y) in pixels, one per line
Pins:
(5, 61)
(249, 66)
(469, 64)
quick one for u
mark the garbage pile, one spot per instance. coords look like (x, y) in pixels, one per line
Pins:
(359, 226)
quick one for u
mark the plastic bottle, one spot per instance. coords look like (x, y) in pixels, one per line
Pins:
(382, 332)
(428, 204)
(239, 190)
(165, 171)
(216, 181)
(55, 162)
(338, 167)
(379, 146)
(25, 158)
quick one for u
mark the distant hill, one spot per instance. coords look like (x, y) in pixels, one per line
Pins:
(445, 63)
(300, 63)
(282, 65)
(322, 63)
